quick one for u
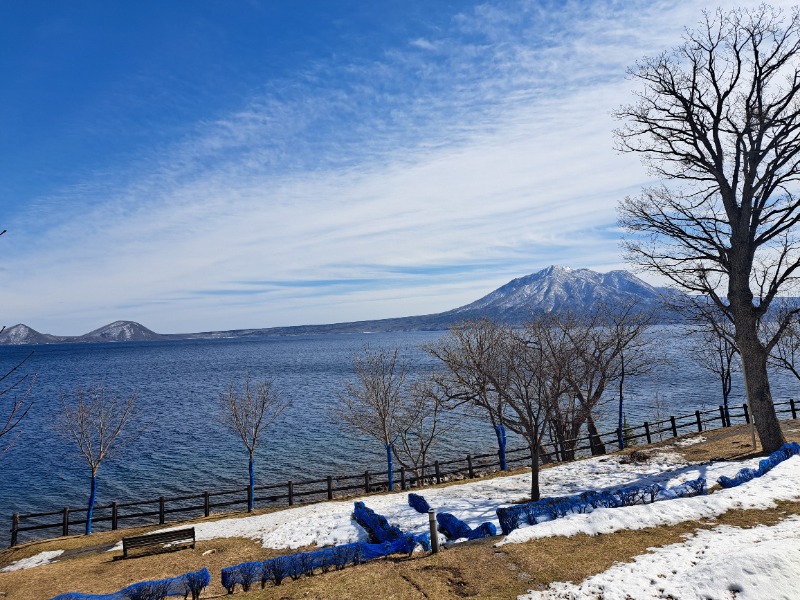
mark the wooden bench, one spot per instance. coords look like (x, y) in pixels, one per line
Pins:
(176, 537)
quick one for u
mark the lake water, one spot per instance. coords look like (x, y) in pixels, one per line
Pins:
(186, 450)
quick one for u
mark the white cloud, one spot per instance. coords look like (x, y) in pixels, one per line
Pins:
(494, 151)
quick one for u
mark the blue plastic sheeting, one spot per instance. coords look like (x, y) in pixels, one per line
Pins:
(764, 466)
(183, 585)
(452, 527)
(483, 530)
(513, 517)
(418, 503)
(379, 529)
(375, 525)
(277, 569)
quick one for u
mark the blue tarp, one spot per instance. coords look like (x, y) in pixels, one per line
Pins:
(513, 517)
(764, 466)
(294, 565)
(418, 503)
(183, 585)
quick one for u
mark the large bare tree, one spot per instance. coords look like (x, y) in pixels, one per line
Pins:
(249, 414)
(94, 422)
(717, 119)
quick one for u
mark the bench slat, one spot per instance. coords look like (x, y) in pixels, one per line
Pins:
(185, 536)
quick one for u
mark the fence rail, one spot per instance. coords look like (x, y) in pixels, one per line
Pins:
(134, 513)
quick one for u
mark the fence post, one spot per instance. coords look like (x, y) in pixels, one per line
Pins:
(114, 516)
(674, 427)
(470, 470)
(330, 487)
(438, 473)
(746, 414)
(290, 485)
(206, 503)
(699, 421)
(434, 534)
(161, 510)
(722, 416)
(366, 481)
(14, 528)
(647, 432)
(793, 407)
(65, 523)
(402, 478)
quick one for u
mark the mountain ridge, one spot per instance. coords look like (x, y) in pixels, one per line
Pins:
(553, 289)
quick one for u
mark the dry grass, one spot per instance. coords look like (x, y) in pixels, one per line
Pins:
(473, 570)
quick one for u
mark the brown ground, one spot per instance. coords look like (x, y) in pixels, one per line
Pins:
(472, 570)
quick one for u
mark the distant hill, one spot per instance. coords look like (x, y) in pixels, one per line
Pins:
(552, 289)
(121, 331)
(20, 334)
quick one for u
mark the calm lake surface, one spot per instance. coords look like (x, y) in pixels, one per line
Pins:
(186, 450)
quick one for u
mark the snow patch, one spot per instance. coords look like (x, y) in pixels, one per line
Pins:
(43, 558)
(690, 441)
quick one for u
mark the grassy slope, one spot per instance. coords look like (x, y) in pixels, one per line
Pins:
(474, 570)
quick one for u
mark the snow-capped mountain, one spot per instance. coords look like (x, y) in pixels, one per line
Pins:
(557, 289)
(121, 331)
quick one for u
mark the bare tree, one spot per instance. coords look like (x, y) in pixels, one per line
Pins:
(373, 404)
(594, 351)
(421, 424)
(502, 372)
(718, 120)
(786, 353)
(528, 388)
(467, 353)
(249, 414)
(18, 390)
(95, 422)
(717, 354)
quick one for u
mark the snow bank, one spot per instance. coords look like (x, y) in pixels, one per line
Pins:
(725, 562)
(781, 483)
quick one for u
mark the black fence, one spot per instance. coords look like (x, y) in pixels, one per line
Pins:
(292, 492)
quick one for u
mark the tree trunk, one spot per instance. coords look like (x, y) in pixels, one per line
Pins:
(754, 357)
(90, 508)
(535, 472)
(595, 442)
(754, 364)
(390, 466)
(251, 499)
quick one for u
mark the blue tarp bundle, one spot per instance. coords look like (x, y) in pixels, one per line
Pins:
(764, 466)
(183, 585)
(418, 503)
(454, 528)
(483, 530)
(513, 517)
(379, 529)
(375, 525)
(294, 565)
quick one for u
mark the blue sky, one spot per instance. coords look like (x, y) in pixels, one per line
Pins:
(215, 165)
